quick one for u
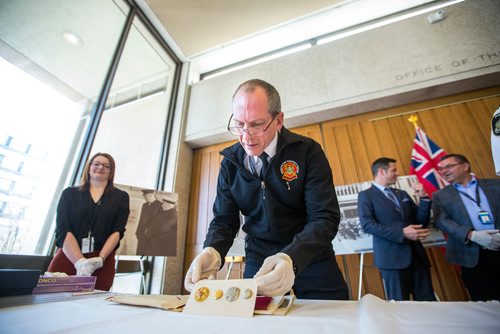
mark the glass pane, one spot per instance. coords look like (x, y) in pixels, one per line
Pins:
(133, 125)
(54, 55)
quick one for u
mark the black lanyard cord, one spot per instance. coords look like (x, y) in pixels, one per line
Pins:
(478, 198)
(93, 212)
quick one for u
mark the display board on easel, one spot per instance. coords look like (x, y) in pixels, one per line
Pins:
(351, 239)
(151, 228)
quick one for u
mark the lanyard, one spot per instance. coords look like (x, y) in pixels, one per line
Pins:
(94, 210)
(477, 200)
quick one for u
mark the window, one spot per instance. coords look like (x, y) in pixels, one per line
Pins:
(49, 86)
(136, 111)
(55, 58)
(5, 185)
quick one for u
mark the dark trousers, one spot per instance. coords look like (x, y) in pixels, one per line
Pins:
(320, 280)
(415, 280)
(105, 275)
(483, 280)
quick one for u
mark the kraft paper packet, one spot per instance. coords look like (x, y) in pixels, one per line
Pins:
(166, 302)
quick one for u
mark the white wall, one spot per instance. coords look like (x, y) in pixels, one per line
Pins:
(401, 63)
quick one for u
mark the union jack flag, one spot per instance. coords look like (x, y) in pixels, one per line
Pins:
(424, 159)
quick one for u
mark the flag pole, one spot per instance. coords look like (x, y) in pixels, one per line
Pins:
(413, 120)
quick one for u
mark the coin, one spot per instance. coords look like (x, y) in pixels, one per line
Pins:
(201, 294)
(247, 293)
(218, 294)
(232, 294)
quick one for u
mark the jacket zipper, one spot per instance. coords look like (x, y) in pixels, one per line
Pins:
(263, 188)
(268, 211)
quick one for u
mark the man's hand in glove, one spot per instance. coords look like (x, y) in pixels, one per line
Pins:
(276, 276)
(205, 265)
(489, 239)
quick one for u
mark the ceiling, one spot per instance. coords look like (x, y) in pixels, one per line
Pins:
(200, 25)
(215, 34)
(210, 34)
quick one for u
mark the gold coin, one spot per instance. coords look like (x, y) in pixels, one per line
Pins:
(218, 294)
(247, 293)
(201, 294)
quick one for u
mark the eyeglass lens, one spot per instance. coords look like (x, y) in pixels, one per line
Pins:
(448, 166)
(99, 165)
(252, 131)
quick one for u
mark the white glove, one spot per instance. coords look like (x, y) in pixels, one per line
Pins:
(84, 267)
(204, 266)
(489, 239)
(496, 240)
(97, 262)
(276, 276)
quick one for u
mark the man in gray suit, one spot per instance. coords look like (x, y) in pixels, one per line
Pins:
(468, 210)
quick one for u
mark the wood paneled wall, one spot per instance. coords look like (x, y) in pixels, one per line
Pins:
(459, 124)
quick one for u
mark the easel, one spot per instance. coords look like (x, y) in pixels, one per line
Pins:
(361, 264)
(361, 260)
(129, 266)
(232, 260)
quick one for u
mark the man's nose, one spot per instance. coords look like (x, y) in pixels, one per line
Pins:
(246, 133)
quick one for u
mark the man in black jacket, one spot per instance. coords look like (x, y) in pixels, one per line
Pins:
(149, 215)
(282, 183)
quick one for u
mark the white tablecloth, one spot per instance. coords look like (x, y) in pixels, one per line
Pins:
(369, 315)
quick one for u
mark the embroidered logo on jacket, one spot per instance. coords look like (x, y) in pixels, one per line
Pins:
(289, 170)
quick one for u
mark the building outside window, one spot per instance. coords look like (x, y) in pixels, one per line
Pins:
(55, 57)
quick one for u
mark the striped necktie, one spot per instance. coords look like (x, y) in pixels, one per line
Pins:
(392, 197)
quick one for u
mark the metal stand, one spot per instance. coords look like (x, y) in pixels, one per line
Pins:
(229, 270)
(361, 260)
(132, 266)
(232, 260)
(361, 264)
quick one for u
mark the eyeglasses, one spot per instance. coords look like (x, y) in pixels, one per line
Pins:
(253, 131)
(99, 165)
(449, 166)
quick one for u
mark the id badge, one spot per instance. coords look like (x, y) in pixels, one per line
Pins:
(87, 245)
(485, 217)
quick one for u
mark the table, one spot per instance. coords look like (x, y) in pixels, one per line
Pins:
(94, 314)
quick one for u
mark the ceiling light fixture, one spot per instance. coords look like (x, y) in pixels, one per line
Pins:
(232, 68)
(72, 39)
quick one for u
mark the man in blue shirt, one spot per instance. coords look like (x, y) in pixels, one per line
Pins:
(468, 210)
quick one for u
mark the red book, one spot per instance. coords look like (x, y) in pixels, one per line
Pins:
(262, 302)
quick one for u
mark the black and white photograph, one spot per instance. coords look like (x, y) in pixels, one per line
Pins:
(350, 237)
(152, 225)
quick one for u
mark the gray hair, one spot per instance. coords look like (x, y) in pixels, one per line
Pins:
(273, 96)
